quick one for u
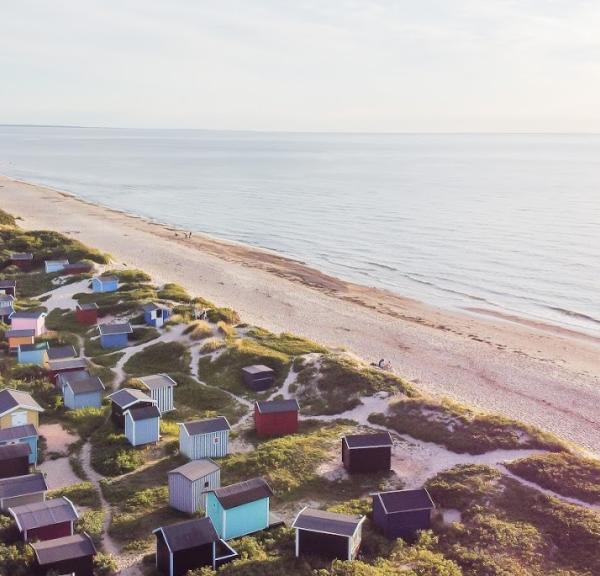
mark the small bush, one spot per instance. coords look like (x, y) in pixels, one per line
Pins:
(226, 329)
(105, 565)
(225, 314)
(198, 330)
(160, 357)
(174, 292)
(83, 494)
(212, 345)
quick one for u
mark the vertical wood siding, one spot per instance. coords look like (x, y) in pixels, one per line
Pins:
(164, 397)
(202, 446)
(189, 496)
(142, 431)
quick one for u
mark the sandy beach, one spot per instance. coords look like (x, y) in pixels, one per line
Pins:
(538, 373)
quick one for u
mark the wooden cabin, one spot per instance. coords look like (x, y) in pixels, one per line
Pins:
(102, 284)
(18, 408)
(87, 314)
(161, 388)
(258, 377)
(156, 315)
(62, 352)
(142, 425)
(367, 453)
(17, 338)
(81, 390)
(25, 434)
(7, 303)
(189, 484)
(239, 509)
(45, 520)
(125, 399)
(189, 545)
(20, 490)
(8, 287)
(53, 266)
(114, 335)
(67, 555)
(58, 368)
(33, 353)
(77, 268)
(327, 534)
(22, 260)
(14, 460)
(401, 513)
(35, 321)
(207, 438)
(276, 417)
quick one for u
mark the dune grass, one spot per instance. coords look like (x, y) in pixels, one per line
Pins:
(174, 293)
(198, 330)
(285, 342)
(159, 357)
(63, 320)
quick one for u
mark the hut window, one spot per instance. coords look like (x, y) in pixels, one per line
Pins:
(216, 439)
(206, 484)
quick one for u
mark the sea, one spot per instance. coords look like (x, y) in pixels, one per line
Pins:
(502, 222)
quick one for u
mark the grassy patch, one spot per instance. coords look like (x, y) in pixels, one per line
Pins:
(225, 314)
(160, 357)
(7, 219)
(64, 321)
(128, 299)
(108, 360)
(212, 345)
(85, 421)
(286, 342)
(198, 330)
(143, 334)
(83, 494)
(112, 455)
(174, 293)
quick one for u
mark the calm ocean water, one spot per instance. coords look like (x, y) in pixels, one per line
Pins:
(506, 222)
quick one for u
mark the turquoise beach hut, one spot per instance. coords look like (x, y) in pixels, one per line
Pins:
(239, 509)
(102, 284)
(33, 353)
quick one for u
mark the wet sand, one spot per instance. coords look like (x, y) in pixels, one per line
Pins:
(538, 373)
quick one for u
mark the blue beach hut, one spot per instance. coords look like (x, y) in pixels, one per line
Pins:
(81, 390)
(101, 284)
(26, 433)
(239, 509)
(155, 315)
(114, 335)
(142, 425)
(205, 438)
(52, 266)
(33, 353)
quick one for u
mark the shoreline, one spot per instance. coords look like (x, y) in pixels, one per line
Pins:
(533, 371)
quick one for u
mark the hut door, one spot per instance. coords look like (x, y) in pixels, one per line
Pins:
(19, 418)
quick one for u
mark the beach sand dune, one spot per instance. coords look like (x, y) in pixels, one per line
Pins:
(541, 374)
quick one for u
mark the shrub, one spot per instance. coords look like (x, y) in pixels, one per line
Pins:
(225, 314)
(105, 565)
(7, 219)
(160, 357)
(82, 494)
(226, 329)
(174, 292)
(286, 342)
(85, 421)
(198, 330)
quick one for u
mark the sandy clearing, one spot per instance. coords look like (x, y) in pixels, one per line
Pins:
(59, 473)
(57, 438)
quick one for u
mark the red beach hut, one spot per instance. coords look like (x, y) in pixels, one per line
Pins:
(276, 417)
(87, 313)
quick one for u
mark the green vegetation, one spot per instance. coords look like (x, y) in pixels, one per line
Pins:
(83, 494)
(104, 565)
(64, 321)
(108, 360)
(132, 276)
(461, 429)
(227, 330)
(160, 357)
(198, 330)
(16, 559)
(143, 334)
(85, 421)
(174, 293)
(226, 314)
(566, 474)
(112, 455)
(212, 345)
(7, 219)
(286, 343)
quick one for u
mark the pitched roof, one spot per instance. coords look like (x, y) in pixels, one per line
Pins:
(83, 384)
(243, 493)
(22, 485)
(273, 406)
(17, 432)
(7, 283)
(21, 256)
(68, 364)
(196, 469)
(106, 278)
(11, 399)
(327, 522)
(110, 329)
(65, 548)
(405, 500)
(157, 381)
(143, 413)
(45, 513)
(7, 298)
(126, 397)
(189, 534)
(33, 347)
(151, 307)
(218, 424)
(29, 333)
(90, 306)
(257, 369)
(28, 315)
(62, 352)
(64, 261)
(376, 440)
(10, 451)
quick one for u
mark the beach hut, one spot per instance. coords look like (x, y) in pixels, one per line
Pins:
(160, 387)
(67, 555)
(20, 490)
(87, 313)
(6, 311)
(276, 417)
(367, 453)
(18, 408)
(142, 425)
(258, 377)
(81, 390)
(189, 484)
(14, 460)
(327, 534)
(45, 520)
(156, 315)
(59, 367)
(62, 352)
(17, 337)
(22, 260)
(400, 513)
(25, 434)
(114, 335)
(8, 287)
(207, 438)
(124, 399)
(189, 545)
(33, 353)
(77, 268)
(53, 266)
(239, 509)
(101, 284)
(35, 321)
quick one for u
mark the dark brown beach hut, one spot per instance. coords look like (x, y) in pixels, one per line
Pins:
(14, 460)
(367, 453)
(126, 399)
(66, 555)
(258, 377)
(400, 513)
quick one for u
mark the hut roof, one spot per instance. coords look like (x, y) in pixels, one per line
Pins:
(196, 469)
(8, 283)
(90, 306)
(157, 381)
(243, 493)
(22, 485)
(111, 329)
(20, 333)
(126, 397)
(45, 513)
(257, 369)
(218, 424)
(33, 347)
(144, 413)
(152, 306)
(405, 500)
(61, 352)
(67, 364)
(327, 522)
(7, 298)
(27, 315)
(189, 534)
(9, 451)
(21, 256)
(273, 406)
(378, 440)
(56, 261)
(103, 279)
(11, 399)
(17, 432)
(65, 548)
(83, 384)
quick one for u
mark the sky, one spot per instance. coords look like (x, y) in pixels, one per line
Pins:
(306, 65)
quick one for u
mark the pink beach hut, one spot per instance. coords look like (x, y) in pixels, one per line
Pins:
(35, 321)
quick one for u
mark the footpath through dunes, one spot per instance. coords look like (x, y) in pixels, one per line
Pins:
(542, 376)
